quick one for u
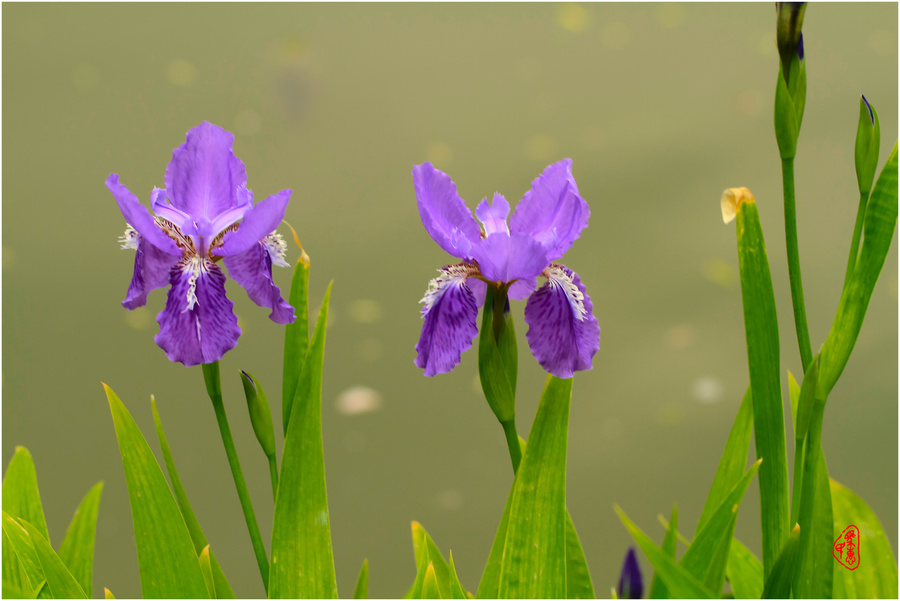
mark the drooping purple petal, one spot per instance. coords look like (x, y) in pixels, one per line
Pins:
(522, 288)
(563, 333)
(259, 222)
(478, 288)
(493, 216)
(443, 212)
(449, 327)
(631, 584)
(198, 324)
(252, 269)
(139, 217)
(503, 258)
(204, 178)
(151, 270)
(552, 212)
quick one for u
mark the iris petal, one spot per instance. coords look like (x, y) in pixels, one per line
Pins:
(139, 217)
(493, 216)
(563, 333)
(552, 212)
(198, 324)
(443, 212)
(503, 258)
(259, 222)
(449, 327)
(252, 269)
(151, 271)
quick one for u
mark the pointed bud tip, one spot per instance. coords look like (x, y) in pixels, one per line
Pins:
(869, 108)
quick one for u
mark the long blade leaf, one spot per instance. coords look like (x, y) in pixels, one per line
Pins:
(658, 588)
(296, 336)
(778, 584)
(362, 582)
(21, 499)
(745, 572)
(22, 550)
(77, 549)
(61, 582)
(578, 577)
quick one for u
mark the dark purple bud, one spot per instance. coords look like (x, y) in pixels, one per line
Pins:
(869, 106)
(631, 584)
(788, 33)
(800, 48)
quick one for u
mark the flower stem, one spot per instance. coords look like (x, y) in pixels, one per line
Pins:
(793, 255)
(512, 441)
(857, 234)
(214, 388)
(273, 471)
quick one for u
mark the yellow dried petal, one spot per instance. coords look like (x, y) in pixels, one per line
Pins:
(731, 202)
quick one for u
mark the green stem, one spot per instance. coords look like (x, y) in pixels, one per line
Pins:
(799, 463)
(214, 388)
(857, 234)
(793, 256)
(273, 471)
(512, 441)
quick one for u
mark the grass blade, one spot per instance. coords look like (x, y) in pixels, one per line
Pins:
(166, 558)
(296, 336)
(658, 588)
(881, 220)
(679, 582)
(876, 576)
(61, 582)
(302, 561)
(430, 588)
(77, 549)
(534, 557)
(778, 585)
(222, 586)
(19, 546)
(207, 572)
(578, 577)
(745, 572)
(362, 582)
(456, 587)
(21, 499)
(761, 327)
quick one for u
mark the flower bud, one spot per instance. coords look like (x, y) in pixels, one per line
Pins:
(789, 34)
(498, 359)
(260, 415)
(868, 139)
(631, 583)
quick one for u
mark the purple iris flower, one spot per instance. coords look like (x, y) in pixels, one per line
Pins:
(204, 214)
(563, 333)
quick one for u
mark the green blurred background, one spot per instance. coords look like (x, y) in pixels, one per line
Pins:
(661, 107)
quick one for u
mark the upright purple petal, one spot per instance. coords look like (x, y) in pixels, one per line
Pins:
(563, 333)
(449, 327)
(151, 270)
(493, 216)
(631, 584)
(443, 212)
(503, 258)
(204, 178)
(198, 324)
(138, 217)
(552, 212)
(252, 269)
(259, 222)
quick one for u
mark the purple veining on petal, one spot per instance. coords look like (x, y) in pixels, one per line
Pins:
(552, 212)
(198, 324)
(449, 327)
(252, 269)
(139, 217)
(204, 178)
(563, 333)
(443, 212)
(258, 222)
(503, 258)
(493, 216)
(151, 271)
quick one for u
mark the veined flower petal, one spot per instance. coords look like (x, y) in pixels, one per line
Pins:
(552, 212)
(204, 178)
(139, 218)
(449, 327)
(259, 222)
(151, 268)
(503, 258)
(443, 212)
(252, 269)
(563, 333)
(198, 324)
(493, 216)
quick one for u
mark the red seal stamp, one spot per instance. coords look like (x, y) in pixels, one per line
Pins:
(846, 548)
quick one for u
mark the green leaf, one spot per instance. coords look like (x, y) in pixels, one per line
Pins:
(876, 576)
(296, 336)
(778, 584)
(489, 587)
(761, 327)
(658, 588)
(534, 557)
(77, 549)
(302, 561)
(578, 577)
(20, 548)
(362, 582)
(807, 399)
(456, 588)
(207, 572)
(794, 394)
(21, 499)
(498, 359)
(107, 594)
(61, 582)
(223, 588)
(881, 220)
(11, 592)
(733, 461)
(166, 558)
(429, 585)
(745, 572)
(679, 582)
(707, 556)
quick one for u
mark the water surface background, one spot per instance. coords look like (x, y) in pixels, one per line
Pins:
(660, 107)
